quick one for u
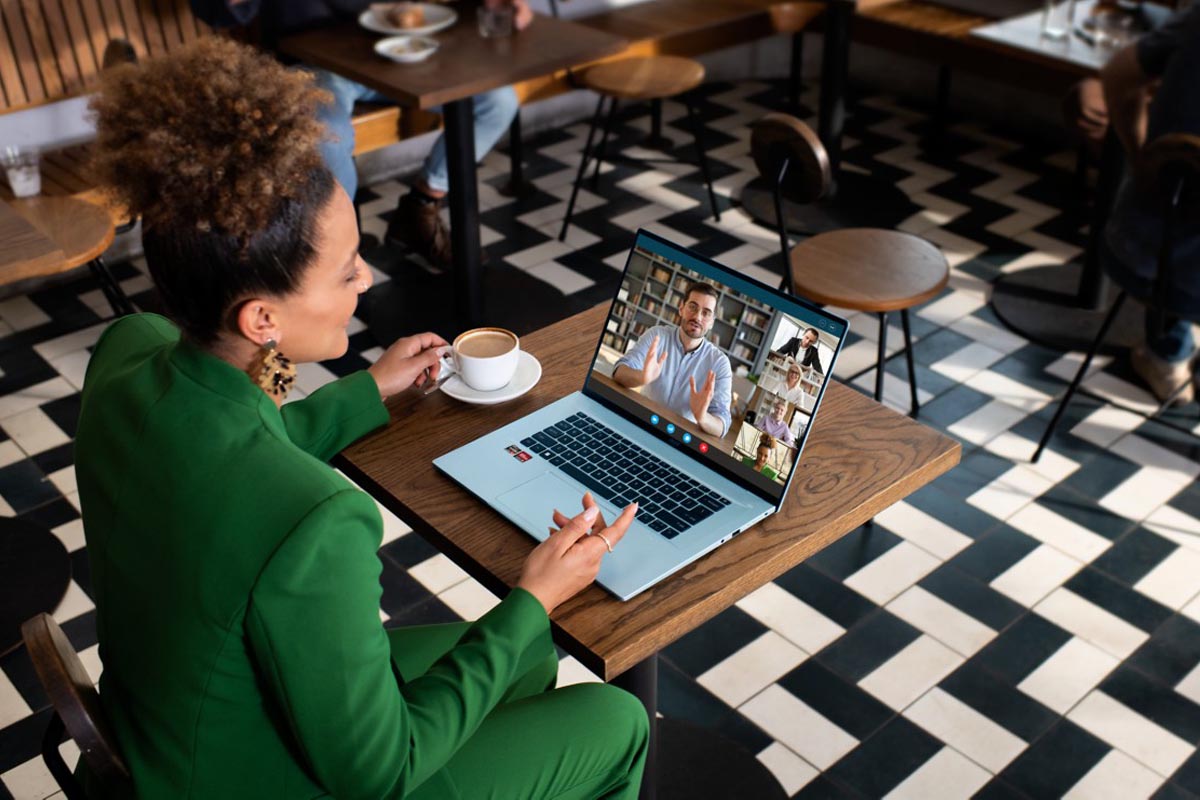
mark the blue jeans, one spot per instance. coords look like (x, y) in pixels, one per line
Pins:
(1174, 343)
(494, 112)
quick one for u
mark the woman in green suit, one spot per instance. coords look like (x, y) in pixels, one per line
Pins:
(236, 577)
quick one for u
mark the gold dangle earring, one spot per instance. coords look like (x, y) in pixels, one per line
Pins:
(273, 371)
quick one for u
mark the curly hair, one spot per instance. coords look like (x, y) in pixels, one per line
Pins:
(215, 148)
(215, 136)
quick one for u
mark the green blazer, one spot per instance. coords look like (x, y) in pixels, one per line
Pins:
(237, 589)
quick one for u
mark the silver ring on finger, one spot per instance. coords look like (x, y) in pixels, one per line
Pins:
(604, 539)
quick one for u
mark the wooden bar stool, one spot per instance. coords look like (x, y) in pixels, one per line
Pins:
(648, 78)
(82, 231)
(872, 270)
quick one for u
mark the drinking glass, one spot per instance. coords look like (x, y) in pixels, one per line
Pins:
(21, 166)
(496, 22)
(1058, 17)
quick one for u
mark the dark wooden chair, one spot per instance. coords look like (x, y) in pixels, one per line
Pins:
(862, 269)
(77, 709)
(1167, 174)
(641, 79)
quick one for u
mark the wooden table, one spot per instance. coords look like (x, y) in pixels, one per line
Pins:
(1063, 305)
(860, 458)
(24, 250)
(464, 65)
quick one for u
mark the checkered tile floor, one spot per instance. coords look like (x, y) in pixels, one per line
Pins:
(1012, 630)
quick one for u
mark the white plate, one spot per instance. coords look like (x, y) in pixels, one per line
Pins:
(529, 372)
(427, 48)
(437, 18)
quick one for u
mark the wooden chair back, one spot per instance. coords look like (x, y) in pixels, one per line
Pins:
(57, 46)
(76, 703)
(779, 137)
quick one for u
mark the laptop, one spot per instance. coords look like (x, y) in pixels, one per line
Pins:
(697, 484)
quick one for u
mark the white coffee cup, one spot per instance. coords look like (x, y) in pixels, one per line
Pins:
(486, 358)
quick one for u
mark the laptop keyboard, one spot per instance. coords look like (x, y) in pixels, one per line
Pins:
(619, 471)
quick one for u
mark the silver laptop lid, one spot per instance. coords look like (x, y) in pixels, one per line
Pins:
(768, 355)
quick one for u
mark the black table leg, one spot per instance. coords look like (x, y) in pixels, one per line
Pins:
(686, 761)
(464, 210)
(794, 72)
(1062, 306)
(835, 68)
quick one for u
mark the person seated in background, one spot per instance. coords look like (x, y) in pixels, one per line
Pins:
(236, 573)
(416, 222)
(774, 424)
(808, 343)
(679, 368)
(766, 444)
(1150, 90)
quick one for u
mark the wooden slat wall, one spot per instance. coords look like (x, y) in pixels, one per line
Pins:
(52, 49)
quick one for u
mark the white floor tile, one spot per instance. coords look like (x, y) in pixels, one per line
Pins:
(792, 771)
(438, 573)
(1106, 424)
(71, 535)
(1116, 777)
(1167, 464)
(73, 603)
(1175, 580)
(966, 730)
(1063, 679)
(31, 780)
(53, 349)
(928, 533)
(910, 673)
(1173, 524)
(1092, 623)
(964, 363)
(20, 313)
(1192, 610)
(1141, 494)
(10, 453)
(1131, 733)
(987, 422)
(64, 480)
(752, 668)
(73, 366)
(949, 775)
(791, 617)
(794, 723)
(34, 396)
(469, 599)
(1036, 575)
(1016, 394)
(13, 707)
(1189, 686)
(892, 573)
(1009, 493)
(538, 254)
(393, 527)
(959, 631)
(571, 672)
(992, 335)
(90, 658)
(1052, 465)
(567, 281)
(1059, 532)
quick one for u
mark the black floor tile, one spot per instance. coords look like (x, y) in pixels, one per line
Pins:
(842, 703)
(869, 644)
(1022, 648)
(1055, 762)
(882, 762)
(713, 642)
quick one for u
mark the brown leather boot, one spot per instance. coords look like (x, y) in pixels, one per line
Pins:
(418, 226)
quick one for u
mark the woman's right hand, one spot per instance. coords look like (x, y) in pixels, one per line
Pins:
(567, 562)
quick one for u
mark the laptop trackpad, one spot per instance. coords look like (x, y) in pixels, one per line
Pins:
(534, 502)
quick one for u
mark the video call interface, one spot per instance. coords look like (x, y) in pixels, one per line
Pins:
(714, 366)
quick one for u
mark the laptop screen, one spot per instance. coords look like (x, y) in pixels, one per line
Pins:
(718, 365)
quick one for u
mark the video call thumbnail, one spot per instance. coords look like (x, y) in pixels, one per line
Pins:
(728, 371)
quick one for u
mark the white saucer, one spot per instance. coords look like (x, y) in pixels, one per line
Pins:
(529, 372)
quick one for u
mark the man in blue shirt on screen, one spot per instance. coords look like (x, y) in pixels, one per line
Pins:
(676, 366)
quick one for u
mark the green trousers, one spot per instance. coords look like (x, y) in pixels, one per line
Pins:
(576, 743)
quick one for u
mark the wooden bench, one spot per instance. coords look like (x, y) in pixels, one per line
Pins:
(58, 45)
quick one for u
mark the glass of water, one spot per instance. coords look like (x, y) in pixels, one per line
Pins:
(496, 20)
(1058, 18)
(21, 166)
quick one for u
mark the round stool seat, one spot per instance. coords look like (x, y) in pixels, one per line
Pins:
(35, 571)
(82, 230)
(868, 269)
(645, 78)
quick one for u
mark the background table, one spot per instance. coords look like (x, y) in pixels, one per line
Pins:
(860, 458)
(464, 65)
(1063, 305)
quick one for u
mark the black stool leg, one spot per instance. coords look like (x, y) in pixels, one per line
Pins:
(701, 157)
(656, 141)
(583, 162)
(912, 370)
(794, 72)
(1083, 368)
(608, 122)
(879, 365)
(942, 109)
(121, 304)
(516, 186)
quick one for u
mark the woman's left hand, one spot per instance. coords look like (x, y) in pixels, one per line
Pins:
(405, 363)
(522, 14)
